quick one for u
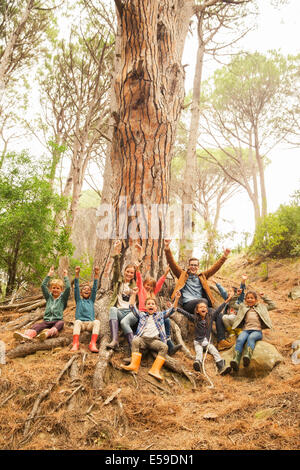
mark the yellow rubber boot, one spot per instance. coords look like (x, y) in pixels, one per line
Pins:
(156, 367)
(134, 366)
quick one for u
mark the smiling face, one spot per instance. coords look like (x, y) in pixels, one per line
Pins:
(129, 273)
(149, 284)
(201, 309)
(250, 299)
(193, 266)
(151, 306)
(56, 290)
(86, 292)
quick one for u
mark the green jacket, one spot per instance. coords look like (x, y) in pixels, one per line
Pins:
(55, 307)
(261, 310)
(117, 281)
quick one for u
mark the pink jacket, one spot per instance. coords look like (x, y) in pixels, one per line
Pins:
(142, 294)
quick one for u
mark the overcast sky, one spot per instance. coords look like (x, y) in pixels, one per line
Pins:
(276, 29)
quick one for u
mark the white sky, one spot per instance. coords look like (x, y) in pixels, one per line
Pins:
(277, 29)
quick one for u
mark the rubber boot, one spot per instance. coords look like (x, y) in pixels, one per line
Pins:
(51, 333)
(236, 360)
(75, 343)
(92, 345)
(197, 365)
(247, 357)
(28, 335)
(223, 369)
(172, 349)
(114, 330)
(134, 366)
(156, 367)
(129, 337)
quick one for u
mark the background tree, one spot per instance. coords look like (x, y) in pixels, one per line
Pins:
(244, 99)
(22, 26)
(29, 236)
(210, 24)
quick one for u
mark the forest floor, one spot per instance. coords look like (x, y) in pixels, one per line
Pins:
(237, 413)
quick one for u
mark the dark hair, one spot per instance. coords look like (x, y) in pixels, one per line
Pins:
(251, 292)
(201, 301)
(194, 259)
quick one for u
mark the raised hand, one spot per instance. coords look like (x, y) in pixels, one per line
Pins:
(65, 272)
(226, 251)
(167, 244)
(51, 271)
(96, 271)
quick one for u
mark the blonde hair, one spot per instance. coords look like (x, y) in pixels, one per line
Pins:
(57, 282)
(151, 281)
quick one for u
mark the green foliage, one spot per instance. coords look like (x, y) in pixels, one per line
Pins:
(30, 239)
(278, 234)
(86, 266)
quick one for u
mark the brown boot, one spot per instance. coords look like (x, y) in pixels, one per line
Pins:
(225, 344)
(156, 367)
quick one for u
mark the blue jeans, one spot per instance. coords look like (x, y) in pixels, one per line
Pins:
(125, 317)
(251, 336)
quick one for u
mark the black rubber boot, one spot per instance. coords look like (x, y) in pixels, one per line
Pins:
(223, 369)
(197, 365)
(172, 349)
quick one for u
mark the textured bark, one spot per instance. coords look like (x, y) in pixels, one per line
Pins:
(149, 92)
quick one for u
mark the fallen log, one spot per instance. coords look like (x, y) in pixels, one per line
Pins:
(21, 304)
(23, 350)
(24, 320)
(34, 306)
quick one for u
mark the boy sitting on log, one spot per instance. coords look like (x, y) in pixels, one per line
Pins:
(150, 334)
(56, 302)
(85, 314)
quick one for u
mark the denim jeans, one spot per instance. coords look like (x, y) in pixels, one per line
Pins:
(251, 336)
(125, 316)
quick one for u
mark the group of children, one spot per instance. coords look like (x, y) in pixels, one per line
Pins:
(242, 315)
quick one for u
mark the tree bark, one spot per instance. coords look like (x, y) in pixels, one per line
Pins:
(149, 92)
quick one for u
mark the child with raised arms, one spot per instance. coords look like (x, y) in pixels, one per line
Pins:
(150, 334)
(56, 292)
(85, 314)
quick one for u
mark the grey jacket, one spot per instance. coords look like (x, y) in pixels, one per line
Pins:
(260, 309)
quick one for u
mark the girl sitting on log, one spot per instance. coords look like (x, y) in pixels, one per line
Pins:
(85, 314)
(203, 318)
(252, 317)
(119, 305)
(56, 302)
(150, 334)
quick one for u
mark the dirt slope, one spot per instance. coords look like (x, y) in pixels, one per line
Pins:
(172, 415)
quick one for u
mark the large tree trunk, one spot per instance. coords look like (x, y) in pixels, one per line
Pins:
(149, 92)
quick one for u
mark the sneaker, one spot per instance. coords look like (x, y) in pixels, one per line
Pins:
(43, 335)
(225, 344)
(197, 366)
(21, 336)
